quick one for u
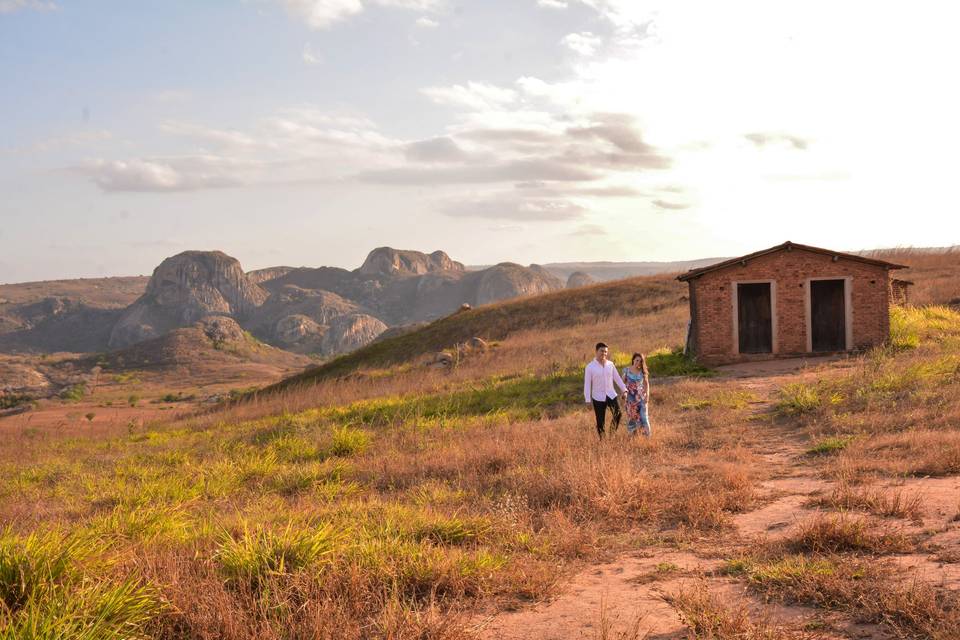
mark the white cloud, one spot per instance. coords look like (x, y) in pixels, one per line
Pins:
(473, 95)
(181, 174)
(322, 14)
(553, 4)
(585, 43)
(9, 6)
(310, 56)
(427, 23)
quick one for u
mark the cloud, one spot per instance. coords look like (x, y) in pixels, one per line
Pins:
(159, 175)
(322, 14)
(427, 23)
(473, 95)
(761, 139)
(589, 230)
(513, 171)
(219, 137)
(294, 146)
(310, 56)
(10, 6)
(441, 149)
(553, 4)
(510, 207)
(664, 204)
(585, 43)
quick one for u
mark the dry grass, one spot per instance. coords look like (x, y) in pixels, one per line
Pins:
(391, 503)
(934, 273)
(831, 534)
(710, 618)
(384, 504)
(887, 503)
(869, 590)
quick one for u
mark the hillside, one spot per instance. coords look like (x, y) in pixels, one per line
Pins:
(631, 298)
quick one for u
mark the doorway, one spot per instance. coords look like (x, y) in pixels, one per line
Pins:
(828, 315)
(754, 317)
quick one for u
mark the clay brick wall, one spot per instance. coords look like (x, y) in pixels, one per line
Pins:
(713, 314)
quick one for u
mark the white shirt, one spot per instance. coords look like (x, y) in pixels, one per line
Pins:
(598, 381)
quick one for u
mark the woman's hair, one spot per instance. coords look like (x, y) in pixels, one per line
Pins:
(643, 363)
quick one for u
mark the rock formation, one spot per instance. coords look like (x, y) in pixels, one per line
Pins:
(507, 280)
(184, 289)
(386, 261)
(580, 279)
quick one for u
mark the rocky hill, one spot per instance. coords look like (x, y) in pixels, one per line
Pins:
(322, 311)
(185, 289)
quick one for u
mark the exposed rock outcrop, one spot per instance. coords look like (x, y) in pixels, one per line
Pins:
(508, 280)
(259, 276)
(184, 289)
(580, 279)
(348, 333)
(386, 261)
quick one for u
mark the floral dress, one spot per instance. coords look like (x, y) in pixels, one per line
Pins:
(636, 403)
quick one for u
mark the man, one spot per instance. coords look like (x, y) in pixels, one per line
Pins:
(598, 380)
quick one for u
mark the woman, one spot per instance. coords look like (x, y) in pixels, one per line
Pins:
(637, 379)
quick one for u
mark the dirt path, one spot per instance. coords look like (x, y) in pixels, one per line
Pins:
(624, 599)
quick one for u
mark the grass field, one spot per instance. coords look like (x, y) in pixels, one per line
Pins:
(399, 502)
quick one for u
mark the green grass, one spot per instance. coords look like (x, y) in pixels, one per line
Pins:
(46, 591)
(912, 326)
(254, 555)
(672, 362)
(830, 445)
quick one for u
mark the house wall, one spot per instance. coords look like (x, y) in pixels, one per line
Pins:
(714, 313)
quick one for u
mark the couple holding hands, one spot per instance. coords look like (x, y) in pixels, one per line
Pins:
(598, 380)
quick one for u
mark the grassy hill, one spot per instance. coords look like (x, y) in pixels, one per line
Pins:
(634, 297)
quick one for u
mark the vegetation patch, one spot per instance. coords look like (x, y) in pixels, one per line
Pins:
(673, 362)
(830, 445)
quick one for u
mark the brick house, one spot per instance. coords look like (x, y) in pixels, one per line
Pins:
(788, 300)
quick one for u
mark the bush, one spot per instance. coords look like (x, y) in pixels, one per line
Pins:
(74, 393)
(14, 400)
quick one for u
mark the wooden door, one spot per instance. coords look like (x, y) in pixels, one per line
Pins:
(755, 318)
(828, 315)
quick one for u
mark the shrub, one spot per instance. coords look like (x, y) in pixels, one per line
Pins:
(74, 393)
(9, 401)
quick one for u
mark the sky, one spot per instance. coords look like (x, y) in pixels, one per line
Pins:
(308, 132)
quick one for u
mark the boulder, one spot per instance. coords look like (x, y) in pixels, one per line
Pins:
(221, 330)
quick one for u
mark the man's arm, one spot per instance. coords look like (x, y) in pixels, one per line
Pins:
(586, 385)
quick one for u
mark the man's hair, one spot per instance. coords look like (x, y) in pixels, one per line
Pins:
(600, 345)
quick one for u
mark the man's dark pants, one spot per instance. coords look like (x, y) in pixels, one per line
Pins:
(600, 408)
